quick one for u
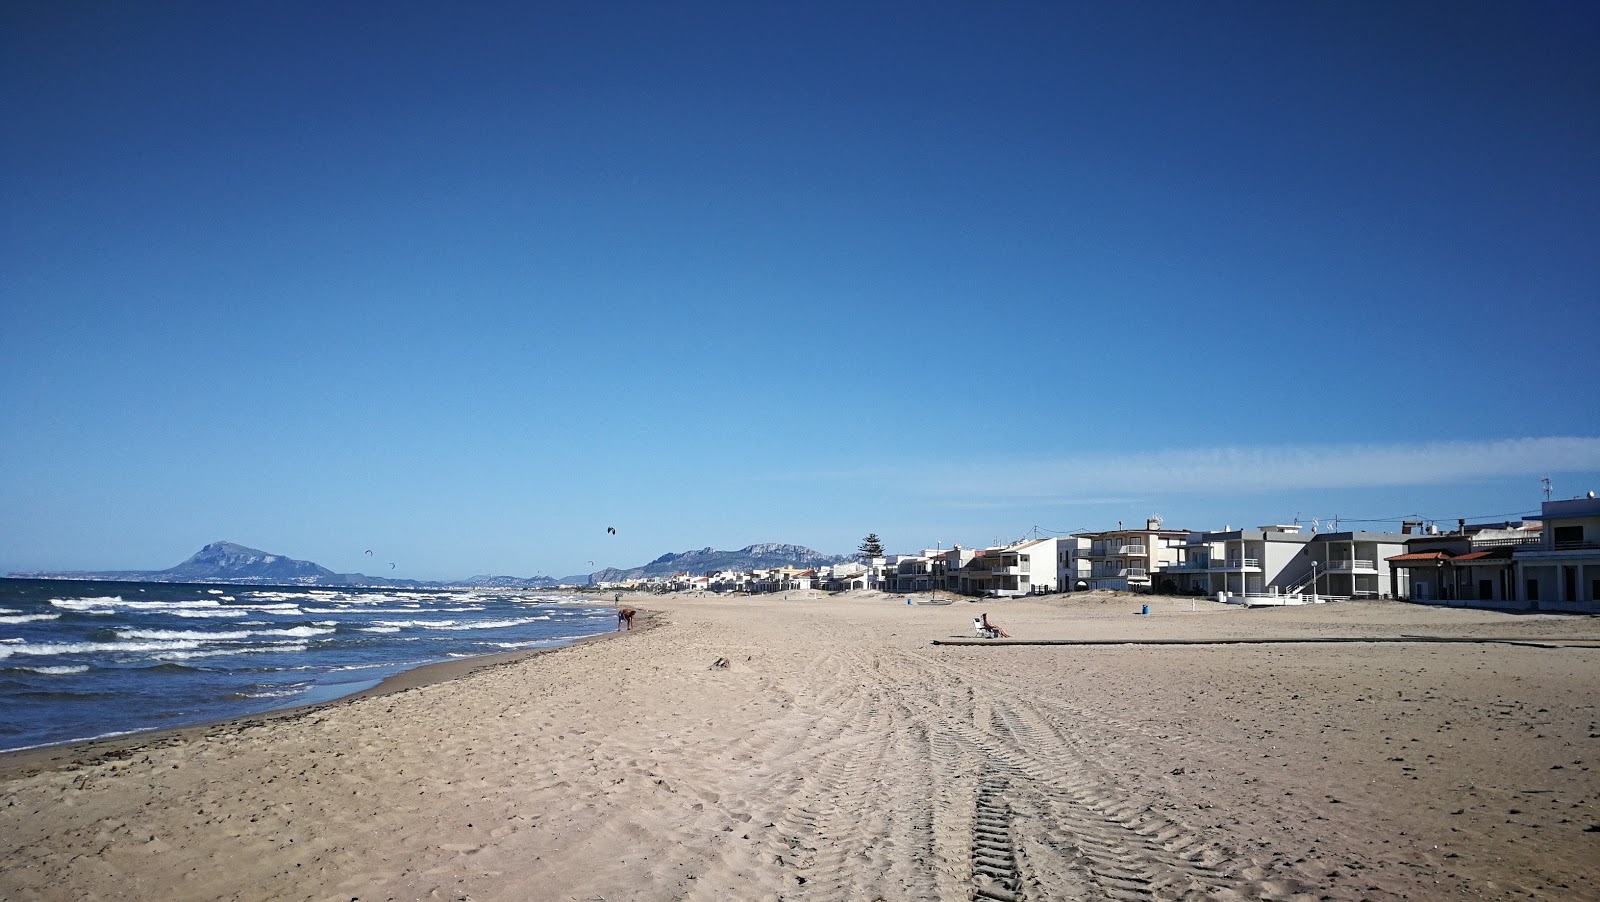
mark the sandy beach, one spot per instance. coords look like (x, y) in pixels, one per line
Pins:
(823, 748)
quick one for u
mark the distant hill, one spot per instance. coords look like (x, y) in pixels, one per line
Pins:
(705, 560)
(229, 562)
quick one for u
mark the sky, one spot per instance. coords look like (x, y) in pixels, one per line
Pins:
(467, 284)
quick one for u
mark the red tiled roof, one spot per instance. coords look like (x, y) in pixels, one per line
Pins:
(1421, 556)
(1480, 555)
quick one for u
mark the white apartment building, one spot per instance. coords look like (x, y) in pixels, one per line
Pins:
(1127, 559)
(1282, 560)
(912, 573)
(1562, 572)
(1239, 561)
(948, 564)
(1007, 571)
(1355, 564)
(1072, 563)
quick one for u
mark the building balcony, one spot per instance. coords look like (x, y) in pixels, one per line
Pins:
(1199, 566)
(1131, 549)
(1237, 565)
(1120, 573)
(1352, 566)
(1008, 571)
(1514, 542)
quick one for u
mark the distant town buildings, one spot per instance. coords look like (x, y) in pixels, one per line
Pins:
(1548, 562)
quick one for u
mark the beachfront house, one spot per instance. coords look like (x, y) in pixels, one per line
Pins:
(1283, 560)
(1073, 565)
(1562, 572)
(1475, 563)
(848, 576)
(1266, 560)
(947, 564)
(912, 572)
(1355, 564)
(729, 581)
(1126, 559)
(1027, 567)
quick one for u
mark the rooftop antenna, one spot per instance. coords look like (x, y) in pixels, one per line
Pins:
(1545, 481)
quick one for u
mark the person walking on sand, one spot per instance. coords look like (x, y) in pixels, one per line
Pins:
(624, 619)
(990, 625)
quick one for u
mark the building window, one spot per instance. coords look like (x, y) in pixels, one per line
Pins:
(1533, 590)
(1569, 535)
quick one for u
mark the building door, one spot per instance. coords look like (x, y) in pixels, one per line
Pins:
(1485, 590)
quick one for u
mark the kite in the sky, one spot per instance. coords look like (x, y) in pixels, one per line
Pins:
(391, 565)
(369, 551)
(611, 529)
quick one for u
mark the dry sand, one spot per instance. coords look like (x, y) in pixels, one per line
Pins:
(839, 755)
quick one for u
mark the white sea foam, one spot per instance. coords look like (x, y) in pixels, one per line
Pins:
(9, 611)
(43, 649)
(97, 600)
(214, 591)
(201, 614)
(62, 670)
(278, 691)
(302, 631)
(107, 603)
(360, 610)
(29, 618)
(268, 648)
(207, 636)
(380, 629)
(23, 748)
(488, 624)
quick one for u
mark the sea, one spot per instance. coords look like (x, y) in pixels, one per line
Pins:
(84, 660)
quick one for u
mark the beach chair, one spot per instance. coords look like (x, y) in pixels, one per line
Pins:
(983, 633)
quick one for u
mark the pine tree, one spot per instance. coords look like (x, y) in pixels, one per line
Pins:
(871, 546)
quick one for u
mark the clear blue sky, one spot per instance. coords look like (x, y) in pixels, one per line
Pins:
(469, 283)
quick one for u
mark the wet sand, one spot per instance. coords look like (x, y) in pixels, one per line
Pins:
(836, 753)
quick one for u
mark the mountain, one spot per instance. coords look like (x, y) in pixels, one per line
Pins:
(228, 562)
(517, 582)
(752, 557)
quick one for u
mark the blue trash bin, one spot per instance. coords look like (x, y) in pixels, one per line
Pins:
(1146, 610)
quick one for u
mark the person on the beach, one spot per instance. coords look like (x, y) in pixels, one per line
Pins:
(998, 630)
(625, 619)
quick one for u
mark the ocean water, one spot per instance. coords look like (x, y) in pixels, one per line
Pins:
(80, 660)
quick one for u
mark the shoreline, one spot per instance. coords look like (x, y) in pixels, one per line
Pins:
(83, 752)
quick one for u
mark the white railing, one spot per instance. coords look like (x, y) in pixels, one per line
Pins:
(1349, 566)
(1129, 549)
(1234, 563)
